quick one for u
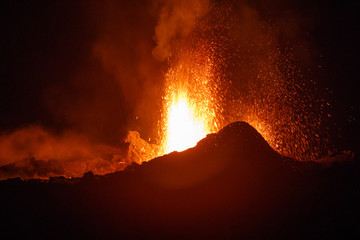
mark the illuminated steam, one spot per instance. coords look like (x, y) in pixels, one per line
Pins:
(177, 19)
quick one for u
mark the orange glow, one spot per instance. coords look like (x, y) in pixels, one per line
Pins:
(190, 104)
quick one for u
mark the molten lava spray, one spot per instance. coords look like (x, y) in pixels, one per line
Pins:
(190, 106)
(233, 66)
(184, 130)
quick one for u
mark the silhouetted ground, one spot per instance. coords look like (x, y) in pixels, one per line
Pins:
(231, 185)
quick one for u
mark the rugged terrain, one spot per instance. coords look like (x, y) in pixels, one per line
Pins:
(231, 185)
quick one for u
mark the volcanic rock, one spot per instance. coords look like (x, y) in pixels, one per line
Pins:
(138, 149)
(231, 185)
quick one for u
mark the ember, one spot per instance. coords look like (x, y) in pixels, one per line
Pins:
(191, 105)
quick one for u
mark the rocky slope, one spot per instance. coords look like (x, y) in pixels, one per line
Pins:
(231, 185)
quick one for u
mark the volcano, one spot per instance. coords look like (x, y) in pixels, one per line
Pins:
(232, 184)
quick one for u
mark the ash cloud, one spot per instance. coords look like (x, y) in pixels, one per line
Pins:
(177, 19)
(34, 152)
(87, 80)
(122, 47)
(117, 85)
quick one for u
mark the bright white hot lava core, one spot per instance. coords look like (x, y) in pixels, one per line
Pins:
(184, 130)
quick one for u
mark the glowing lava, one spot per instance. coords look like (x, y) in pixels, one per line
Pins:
(191, 102)
(184, 130)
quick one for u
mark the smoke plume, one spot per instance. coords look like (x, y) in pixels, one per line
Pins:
(177, 19)
(35, 152)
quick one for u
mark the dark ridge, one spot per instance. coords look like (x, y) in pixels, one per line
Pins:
(30, 168)
(241, 134)
(232, 185)
(241, 139)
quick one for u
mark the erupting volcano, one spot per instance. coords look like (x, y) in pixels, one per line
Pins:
(179, 119)
(221, 63)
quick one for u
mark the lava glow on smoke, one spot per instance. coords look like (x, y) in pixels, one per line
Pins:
(224, 63)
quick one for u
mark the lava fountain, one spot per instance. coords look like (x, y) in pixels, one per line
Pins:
(190, 106)
(184, 129)
(226, 71)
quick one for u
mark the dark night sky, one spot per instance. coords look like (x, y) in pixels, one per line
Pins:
(52, 75)
(45, 45)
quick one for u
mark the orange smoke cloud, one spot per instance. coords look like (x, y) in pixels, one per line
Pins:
(123, 49)
(34, 152)
(177, 19)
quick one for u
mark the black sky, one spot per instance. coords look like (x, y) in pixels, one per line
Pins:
(42, 43)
